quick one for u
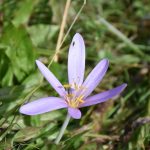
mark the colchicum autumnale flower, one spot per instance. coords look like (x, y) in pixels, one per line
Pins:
(75, 94)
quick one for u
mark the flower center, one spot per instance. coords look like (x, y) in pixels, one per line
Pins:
(74, 101)
(72, 98)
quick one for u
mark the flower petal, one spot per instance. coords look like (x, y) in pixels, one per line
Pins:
(76, 60)
(42, 105)
(51, 78)
(94, 77)
(74, 113)
(104, 96)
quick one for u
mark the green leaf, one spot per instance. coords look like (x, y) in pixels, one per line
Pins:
(5, 77)
(8, 78)
(20, 50)
(33, 79)
(26, 134)
(23, 13)
(9, 97)
(126, 59)
(6, 145)
(42, 34)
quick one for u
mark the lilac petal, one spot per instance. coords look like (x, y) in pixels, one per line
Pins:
(43, 105)
(51, 78)
(95, 77)
(76, 60)
(74, 113)
(104, 96)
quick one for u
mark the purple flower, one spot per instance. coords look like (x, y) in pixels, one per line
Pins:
(75, 94)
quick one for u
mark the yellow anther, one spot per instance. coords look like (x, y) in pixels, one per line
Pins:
(80, 99)
(70, 95)
(77, 87)
(67, 86)
(72, 104)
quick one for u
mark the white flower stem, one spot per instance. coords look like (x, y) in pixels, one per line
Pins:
(62, 130)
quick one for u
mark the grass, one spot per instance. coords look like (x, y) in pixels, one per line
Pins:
(117, 30)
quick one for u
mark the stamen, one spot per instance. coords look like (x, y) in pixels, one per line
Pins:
(71, 97)
(67, 86)
(80, 99)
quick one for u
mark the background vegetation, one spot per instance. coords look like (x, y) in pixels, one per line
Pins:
(116, 29)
